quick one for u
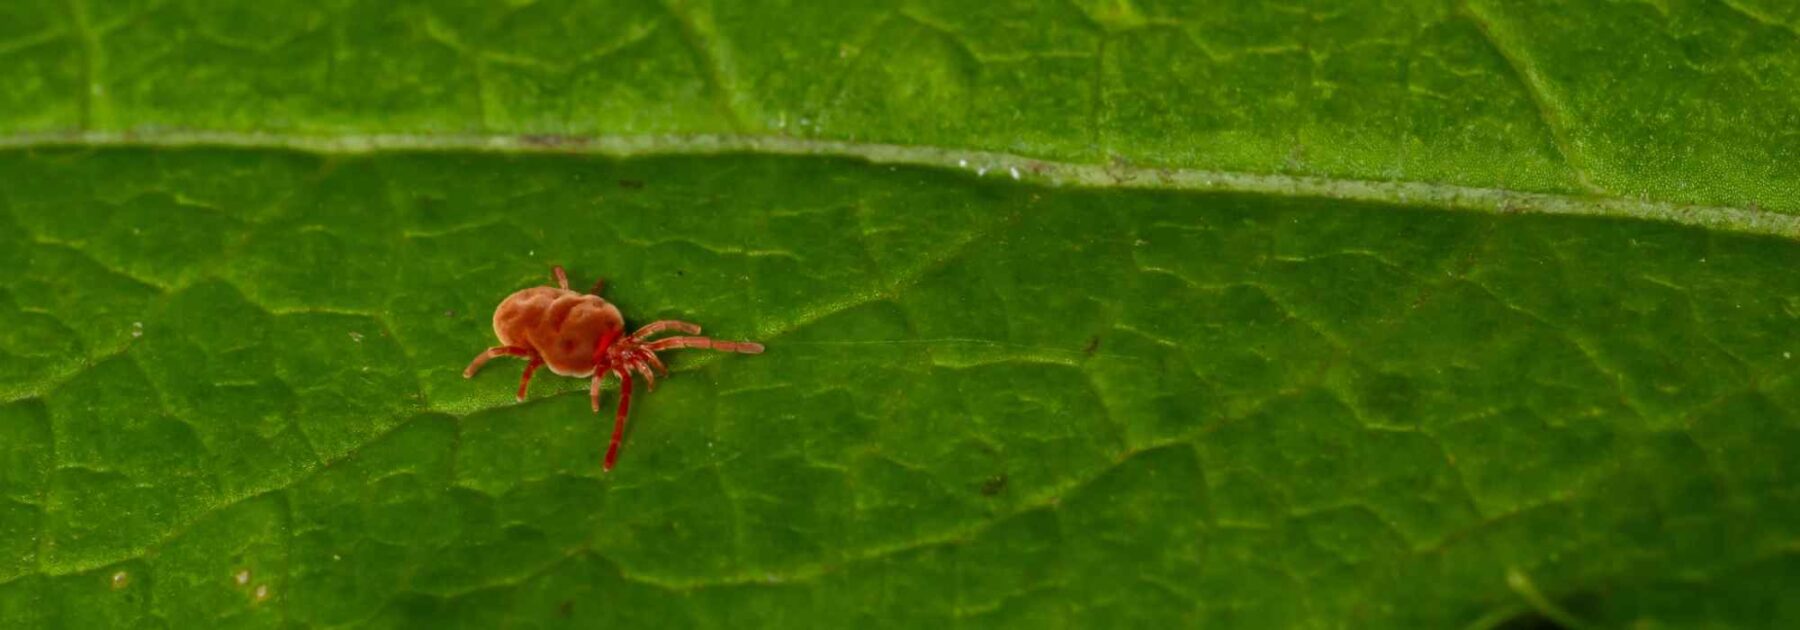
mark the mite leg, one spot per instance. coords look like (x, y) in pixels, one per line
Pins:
(656, 327)
(562, 279)
(746, 347)
(530, 368)
(636, 362)
(651, 358)
(598, 285)
(496, 351)
(612, 450)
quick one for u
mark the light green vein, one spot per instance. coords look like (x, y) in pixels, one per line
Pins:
(1425, 195)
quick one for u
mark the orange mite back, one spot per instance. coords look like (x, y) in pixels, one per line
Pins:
(582, 335)
(563, 326)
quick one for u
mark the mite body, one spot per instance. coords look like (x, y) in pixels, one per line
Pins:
(583, 335)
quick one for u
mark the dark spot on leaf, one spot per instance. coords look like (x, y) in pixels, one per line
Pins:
(1532, 620)
(1578, 606)
(994, 485)
(631, 184)
(680, 272)
(1093, 344)
(567, 608)
(1420, 300)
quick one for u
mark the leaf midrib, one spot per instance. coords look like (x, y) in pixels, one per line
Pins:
(1399, 193)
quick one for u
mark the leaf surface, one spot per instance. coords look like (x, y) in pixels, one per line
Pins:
(1234, 350)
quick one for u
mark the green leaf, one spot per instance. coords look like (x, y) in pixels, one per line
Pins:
(1285, 322)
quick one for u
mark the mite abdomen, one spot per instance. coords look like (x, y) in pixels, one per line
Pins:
(522, 311)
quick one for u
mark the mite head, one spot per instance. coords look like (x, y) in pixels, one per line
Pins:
(601, 361)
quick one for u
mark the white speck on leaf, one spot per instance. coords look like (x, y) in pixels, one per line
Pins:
(262, 592)
(962, 163)
(356, 336)
(242, 577)
(980, 172)
(137, 329)
(121, 580)
(1015, 172)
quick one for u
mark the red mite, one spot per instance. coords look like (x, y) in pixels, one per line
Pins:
(582, 335)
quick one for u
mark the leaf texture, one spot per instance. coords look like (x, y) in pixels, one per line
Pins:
(1081, 314)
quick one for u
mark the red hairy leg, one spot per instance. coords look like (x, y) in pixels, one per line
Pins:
(654, 361)
(636, 362)
(562, 279)
(656, 327)
(612, 450)
(496, 351)
(746, 347)
(530, 368)
(594, 390)
(601, 365)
